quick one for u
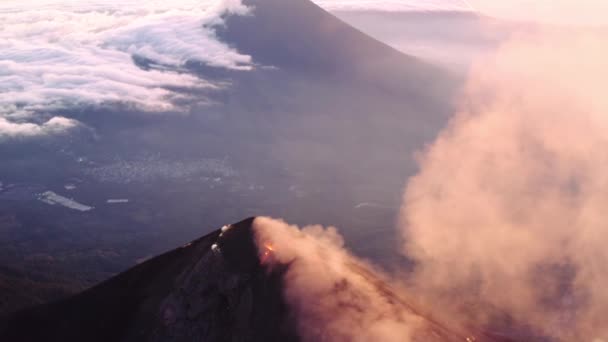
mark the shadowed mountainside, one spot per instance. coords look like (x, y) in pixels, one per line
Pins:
(314, 41)
(192, 293)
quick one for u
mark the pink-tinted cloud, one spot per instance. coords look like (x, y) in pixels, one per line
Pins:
(336, 296)
(508, 211)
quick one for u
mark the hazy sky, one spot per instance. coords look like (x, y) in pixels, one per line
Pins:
(394, 5)
(553, 11)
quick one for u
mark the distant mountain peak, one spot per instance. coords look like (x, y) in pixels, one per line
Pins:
(298, 34)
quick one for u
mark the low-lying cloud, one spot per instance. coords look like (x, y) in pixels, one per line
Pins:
(58, 54)
(55, 125)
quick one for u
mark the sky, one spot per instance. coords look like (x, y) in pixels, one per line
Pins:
(579, 12)
(394, 5)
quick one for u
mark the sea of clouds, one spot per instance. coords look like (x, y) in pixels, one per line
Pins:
(57, 54)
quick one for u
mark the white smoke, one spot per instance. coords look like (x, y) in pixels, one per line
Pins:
(336, 296)
(58, 54)
(506, 219)
(507, 214)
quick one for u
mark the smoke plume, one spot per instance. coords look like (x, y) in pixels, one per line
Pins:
(506, 220)
(335, 296)
(508, 212)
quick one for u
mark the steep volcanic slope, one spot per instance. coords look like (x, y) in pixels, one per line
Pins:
(213, 289)
(200, 291)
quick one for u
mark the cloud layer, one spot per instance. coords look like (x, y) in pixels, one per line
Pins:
(57, 54)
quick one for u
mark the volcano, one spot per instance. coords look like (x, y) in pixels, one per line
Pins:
(215, 288)
(212, 289)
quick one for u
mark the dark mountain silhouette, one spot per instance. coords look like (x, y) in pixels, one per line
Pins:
(212, 289)
(192, 293)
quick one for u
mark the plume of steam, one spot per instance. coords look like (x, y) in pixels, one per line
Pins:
(509, 210)
(334, 296)
(506, 219)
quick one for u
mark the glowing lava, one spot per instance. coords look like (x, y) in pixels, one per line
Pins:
(268, 251)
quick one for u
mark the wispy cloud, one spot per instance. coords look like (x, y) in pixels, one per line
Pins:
(56, 54)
